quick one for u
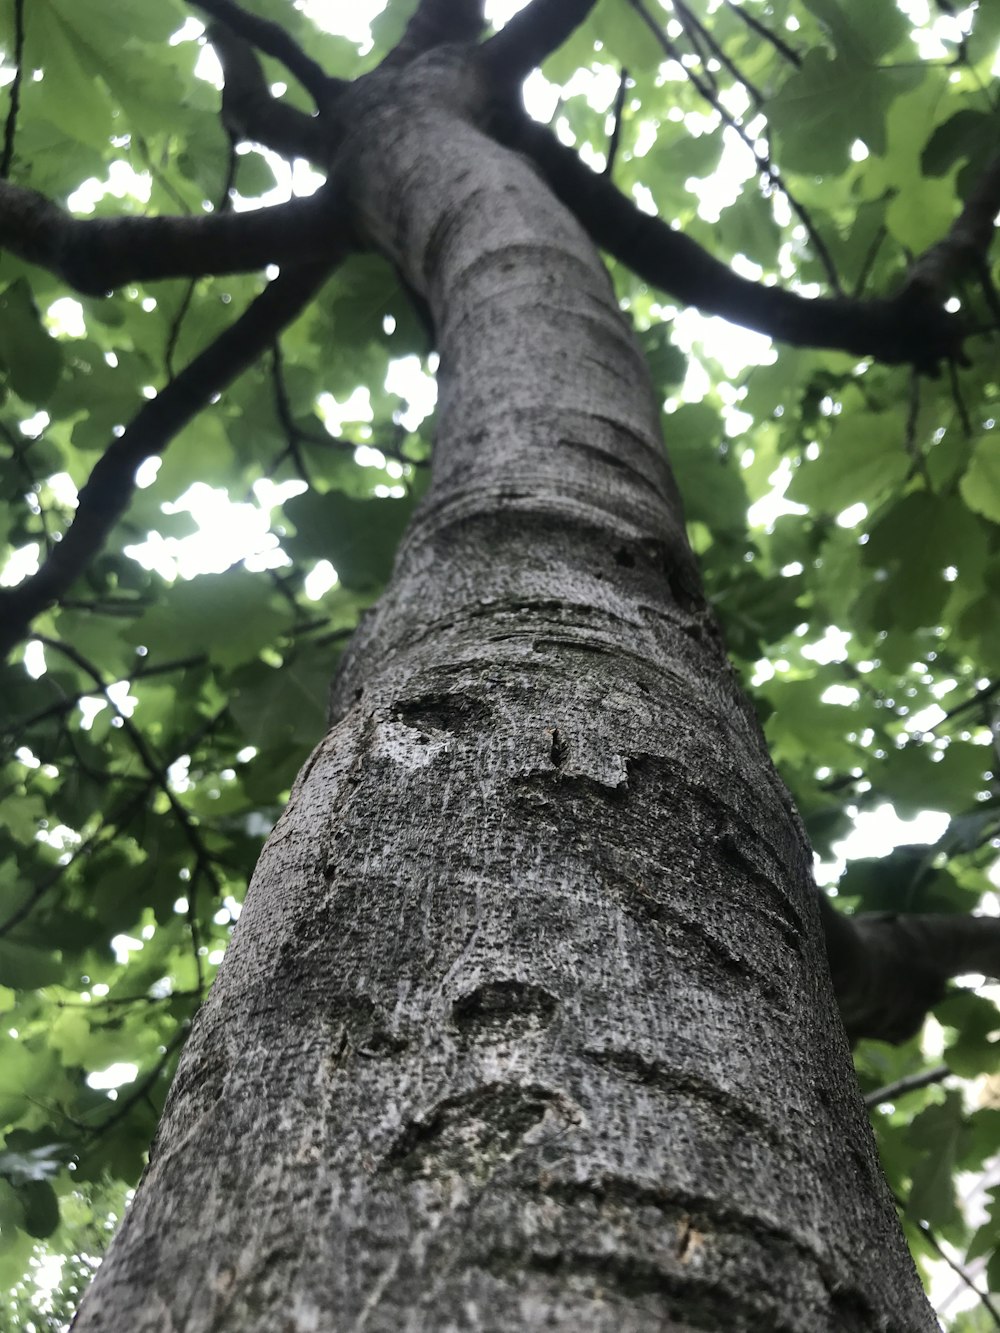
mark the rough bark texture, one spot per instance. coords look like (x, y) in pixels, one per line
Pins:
(526, 1023)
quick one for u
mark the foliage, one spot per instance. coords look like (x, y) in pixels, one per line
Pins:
(156, 722)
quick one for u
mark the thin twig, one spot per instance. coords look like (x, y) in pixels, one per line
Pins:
(116, 823)
(109, 489)
(980, 697)
(616, 129)
(868, 263)
(764, 163)
(911, 1083)
(122, 1001)
(688, 17)
(148, 759)
(957, 398)
(10, 129)
(917, 459)
(763, 31)
(927, 1231)
(223, 204)
(283, 410)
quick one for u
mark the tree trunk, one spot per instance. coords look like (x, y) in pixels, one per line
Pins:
(527, 1021)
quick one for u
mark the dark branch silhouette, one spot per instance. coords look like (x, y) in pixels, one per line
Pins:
(112, 482)
(249, 111)
(700, 36)
(889, 970)
(911, 1083)
(274, 40)
(904, 329)
(531, 35)
(10, 128)
(764, 163)
(95, 255)
(761, 29)
(965, 247)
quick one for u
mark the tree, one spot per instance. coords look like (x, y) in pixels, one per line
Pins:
(527, 1020)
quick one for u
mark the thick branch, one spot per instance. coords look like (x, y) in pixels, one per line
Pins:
(905, 329)
(435, 23)
(966, 247)
(95, 255)
(274, 40)
(889, 970)
(529, 37)
(112, 482)
(250, 112)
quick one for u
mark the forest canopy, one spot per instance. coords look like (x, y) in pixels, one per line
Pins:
(822, 166)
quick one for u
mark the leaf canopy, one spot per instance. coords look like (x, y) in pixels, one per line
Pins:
(847, 516)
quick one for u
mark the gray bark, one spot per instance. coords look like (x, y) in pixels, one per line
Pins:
(527, 1022)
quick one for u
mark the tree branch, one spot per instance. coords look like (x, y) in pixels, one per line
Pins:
(695, 29)
(616, 131)
(274, 40)
(966, 246)
(250, 112)
(905, 329)
(529, 37)
(113, 824)
(435, 23)
(764, 163)
(761, 30)
(112, 481)
(911, 1083)
(157, 771)
(95, 255)
(889, 970)
(10, 128)
(929, 1235)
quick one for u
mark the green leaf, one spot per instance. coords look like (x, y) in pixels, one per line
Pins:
(25, 968)
(31, 358)
(980, 486)
(863, 33)
(667, 363)
(938, 1131)
(255, 175)
(41, 1208)
(71, 97)
(863, 457)
(277, 707)
(358, 537)
(968, 135)
(827, 103)
(622, 31)
(230, 617)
